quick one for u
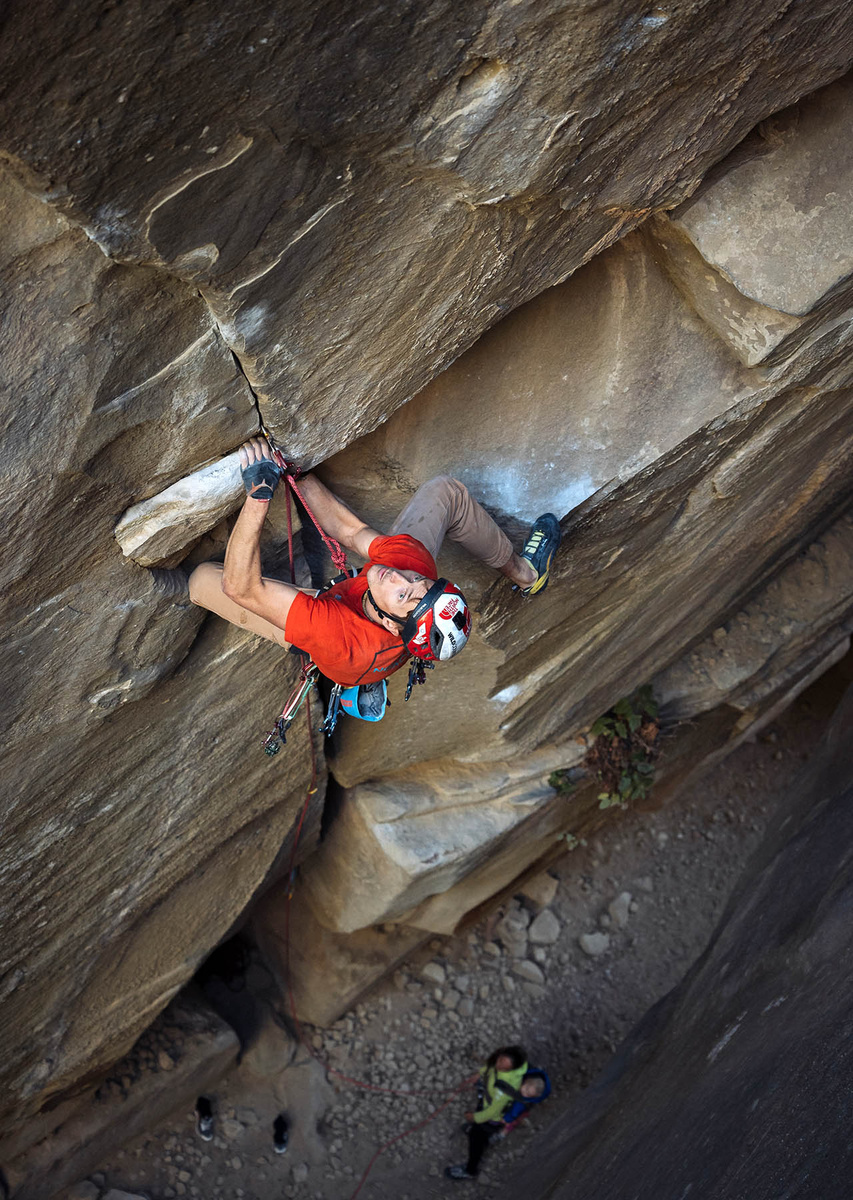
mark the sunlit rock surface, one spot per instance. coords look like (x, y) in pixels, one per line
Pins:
(303, 214)
(650, 563)
(174, 520)
(356, 209)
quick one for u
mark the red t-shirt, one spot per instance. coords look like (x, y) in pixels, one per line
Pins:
(346, 645)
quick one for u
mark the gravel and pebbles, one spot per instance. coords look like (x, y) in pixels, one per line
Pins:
(566, 968)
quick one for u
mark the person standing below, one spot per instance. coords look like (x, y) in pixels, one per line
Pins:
(497, 1088)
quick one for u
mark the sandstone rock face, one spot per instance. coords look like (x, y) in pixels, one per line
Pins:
(138, 818)
(174, 520)
(142, 1091)
(774, 639)
(764, 252)
(325, 973)
(661, 393)
(395, 853)
(650, 564)
(562, 398)
(739, 1077)
(357, 209)
(303, 214)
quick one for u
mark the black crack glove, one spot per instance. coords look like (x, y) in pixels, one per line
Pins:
(260, 479)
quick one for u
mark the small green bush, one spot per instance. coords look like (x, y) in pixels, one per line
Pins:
(625, 748)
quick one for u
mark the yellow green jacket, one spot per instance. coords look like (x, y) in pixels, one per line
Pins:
(496, 1101)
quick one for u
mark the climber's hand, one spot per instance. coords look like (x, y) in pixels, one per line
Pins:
(260, 473)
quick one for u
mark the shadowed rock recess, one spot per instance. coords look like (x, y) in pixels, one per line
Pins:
(593, 259)
(738, 1083)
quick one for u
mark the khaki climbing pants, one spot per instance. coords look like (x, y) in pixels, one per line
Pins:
(442, 507)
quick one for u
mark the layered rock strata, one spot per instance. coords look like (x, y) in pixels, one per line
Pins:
(738, 1081)
(303, 214)
(186, 1050)
(398, 184)
(723, 481)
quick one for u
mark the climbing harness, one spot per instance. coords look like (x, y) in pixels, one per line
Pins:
(367, 701)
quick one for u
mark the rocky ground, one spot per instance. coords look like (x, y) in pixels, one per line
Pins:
(565, 969)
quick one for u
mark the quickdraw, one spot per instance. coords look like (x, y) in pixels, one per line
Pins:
(417, 674)
(277, 736)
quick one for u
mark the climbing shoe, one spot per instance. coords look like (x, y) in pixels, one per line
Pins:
(279, 1134)
(204, 1119)
(539, 551)
(458, 1173)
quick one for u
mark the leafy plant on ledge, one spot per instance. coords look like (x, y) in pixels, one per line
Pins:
(564, 781)
(623, 754)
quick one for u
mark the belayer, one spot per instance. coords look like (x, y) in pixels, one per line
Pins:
(398, 606)
(508, 1087)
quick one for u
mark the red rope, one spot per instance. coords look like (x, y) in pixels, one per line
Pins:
(339, 559)
(290, 536)
(399, 1137)
(336, 552)
(338, 555)
(300, 1033)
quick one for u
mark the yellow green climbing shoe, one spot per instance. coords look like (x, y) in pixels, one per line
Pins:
(539, 550)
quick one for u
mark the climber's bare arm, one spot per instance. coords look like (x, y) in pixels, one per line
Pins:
(242, 580)
(336, 518)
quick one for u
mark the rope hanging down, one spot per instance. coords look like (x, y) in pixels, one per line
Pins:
(362, 1085)
(300, 694)
(291, 474)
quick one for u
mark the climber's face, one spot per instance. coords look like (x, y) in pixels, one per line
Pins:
(396, 591)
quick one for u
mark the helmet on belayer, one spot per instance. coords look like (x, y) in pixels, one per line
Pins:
(438, 626)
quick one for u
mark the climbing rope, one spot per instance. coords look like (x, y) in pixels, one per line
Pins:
(361, 1084)
(300, 694)
(291, 474)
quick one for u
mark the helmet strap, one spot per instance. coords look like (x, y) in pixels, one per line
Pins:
(401, 621)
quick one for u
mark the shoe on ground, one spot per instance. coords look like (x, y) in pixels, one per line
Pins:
(204, 1119)
(280, 1134)
(539, 550)
(458, 1173)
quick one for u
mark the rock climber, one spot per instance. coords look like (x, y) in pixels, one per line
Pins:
(508, 1086)
(363, 629)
